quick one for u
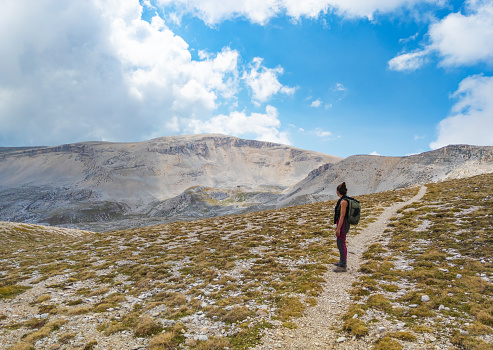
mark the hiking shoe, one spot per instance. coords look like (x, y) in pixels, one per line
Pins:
(340, 269)
(337, 264)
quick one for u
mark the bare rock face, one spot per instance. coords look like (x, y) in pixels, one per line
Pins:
(369, 174)
(102, 181)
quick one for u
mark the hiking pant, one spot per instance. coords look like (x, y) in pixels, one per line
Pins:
(341, 245)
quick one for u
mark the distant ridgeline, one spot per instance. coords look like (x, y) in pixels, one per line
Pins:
(16, 149)
(104, 186)
(165, 179)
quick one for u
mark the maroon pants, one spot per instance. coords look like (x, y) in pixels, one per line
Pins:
(341, 245)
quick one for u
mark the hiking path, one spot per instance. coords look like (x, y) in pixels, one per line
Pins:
(320, 325)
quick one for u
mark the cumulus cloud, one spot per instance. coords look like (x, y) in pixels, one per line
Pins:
(374, 153)
(465, 39)
(316, 103)
(264, 82)
(458, 39)
(264, 126)
(261, 11)
(95, 70)
(471, 118)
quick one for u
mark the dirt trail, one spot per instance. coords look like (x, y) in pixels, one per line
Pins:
(318, 328)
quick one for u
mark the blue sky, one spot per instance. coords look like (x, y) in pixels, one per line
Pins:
(388, 77)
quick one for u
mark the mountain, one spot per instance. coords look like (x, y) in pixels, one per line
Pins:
(365, 174)
(194, 175)
(103, 186)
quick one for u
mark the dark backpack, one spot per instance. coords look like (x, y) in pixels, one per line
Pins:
(354, 211)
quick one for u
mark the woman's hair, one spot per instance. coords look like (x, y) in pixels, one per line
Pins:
(342, 189)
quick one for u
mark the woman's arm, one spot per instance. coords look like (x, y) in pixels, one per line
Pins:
(341, 218)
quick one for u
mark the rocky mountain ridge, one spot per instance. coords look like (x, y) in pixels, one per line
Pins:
(103, 186)
(366, 174)
(103, 181)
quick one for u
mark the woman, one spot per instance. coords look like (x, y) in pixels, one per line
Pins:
(342, 227)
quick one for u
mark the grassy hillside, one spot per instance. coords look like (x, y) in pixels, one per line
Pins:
(430, 280)
(218, 283)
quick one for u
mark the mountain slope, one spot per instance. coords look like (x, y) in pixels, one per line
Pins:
(365, 174)
(100, 181)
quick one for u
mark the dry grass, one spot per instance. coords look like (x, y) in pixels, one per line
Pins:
(162, 341)
(441, 247)
(215, 343)
(387, 343)
(355, 327)
(146, 327)
(171, 339)
(7, 291)
(225, 269)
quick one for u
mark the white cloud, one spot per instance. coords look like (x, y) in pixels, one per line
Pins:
(340, 87)
(458, 39)
(340, 91)
(406, 40)
(322, 134)
(368, 9)
(147, 3)
(215, 11)
(261, 11)
(263, 127)
(471, 118)
(316, 103)
(409, 61)
(374, 153)
(264, 82)
(465, 39)
(95, 70)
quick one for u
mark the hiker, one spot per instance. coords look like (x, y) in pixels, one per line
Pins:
(342, 226)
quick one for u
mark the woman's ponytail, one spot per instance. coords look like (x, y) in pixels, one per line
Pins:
(342, 189)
